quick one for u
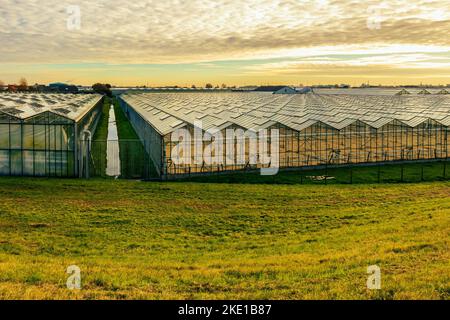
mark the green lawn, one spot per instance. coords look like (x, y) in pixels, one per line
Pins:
(124, 127)
(201, 240)
(98, 145)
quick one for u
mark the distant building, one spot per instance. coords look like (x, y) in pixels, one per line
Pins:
(269, 88)
(304, 90)
(63, 87)
(285, 90)
(424, 91)
(402, 92)
(244, 89)
(40, 88)
(290, 90)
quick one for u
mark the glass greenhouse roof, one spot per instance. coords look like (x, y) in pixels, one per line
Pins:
(381, 91)
(25, 105)
(168, 111)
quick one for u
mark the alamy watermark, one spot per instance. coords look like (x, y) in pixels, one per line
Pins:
(74, 280)
(74, 17)
(375, 17)
(374, 279)
(238, 147)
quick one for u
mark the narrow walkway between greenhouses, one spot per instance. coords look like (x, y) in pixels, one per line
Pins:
(112, 147)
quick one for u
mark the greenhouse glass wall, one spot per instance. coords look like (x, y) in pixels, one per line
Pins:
(313, 129)
(39, 132)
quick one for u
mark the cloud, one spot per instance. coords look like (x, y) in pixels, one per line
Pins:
(175, 31)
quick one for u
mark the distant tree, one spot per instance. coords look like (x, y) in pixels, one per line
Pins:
(224, 86)
(104, 89)
(12, 88)
(23, 84)
(2, 85)
(209, 86)
(193, 86)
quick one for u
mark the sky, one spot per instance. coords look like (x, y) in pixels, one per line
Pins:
(246, 42)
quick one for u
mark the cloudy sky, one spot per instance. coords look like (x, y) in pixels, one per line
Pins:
(168, 42)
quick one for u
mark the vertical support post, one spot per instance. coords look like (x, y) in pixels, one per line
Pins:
(80, 158)
(76, 147)
(86, 153)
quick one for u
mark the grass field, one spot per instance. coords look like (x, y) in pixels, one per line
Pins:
(201, 240)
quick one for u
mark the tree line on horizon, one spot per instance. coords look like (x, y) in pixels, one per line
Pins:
(104, 89)
(101, 88)
(22, 86)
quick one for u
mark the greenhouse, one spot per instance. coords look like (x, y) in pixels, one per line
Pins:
(38, 132)
(314, 129)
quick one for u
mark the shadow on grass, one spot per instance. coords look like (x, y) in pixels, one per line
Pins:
(386, 173)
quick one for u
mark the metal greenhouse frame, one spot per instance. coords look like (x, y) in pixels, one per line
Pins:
(39, 133)
(314, 129)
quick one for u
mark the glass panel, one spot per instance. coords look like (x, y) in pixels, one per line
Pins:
(16, 136)
(58, 137)
(51, 134)
(4, 136)
(40, 118)
(55, 137)
(53, 118)
(4, 162)
(4, 118)
(63, 166)
(28, 162)
(16, 162)
(57, 161)
(39, 163)
(28, 136)
(39, 137)
(68, 137)
(70, 164)
(51, 163)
